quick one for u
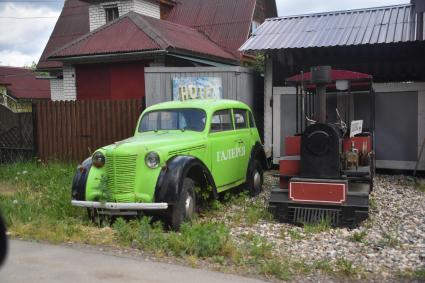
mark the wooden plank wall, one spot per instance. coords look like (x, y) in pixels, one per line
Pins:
(72, 130)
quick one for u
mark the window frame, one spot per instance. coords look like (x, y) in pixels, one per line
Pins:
(108, 8)
(170, 110)
(231, 121)
(247, 126)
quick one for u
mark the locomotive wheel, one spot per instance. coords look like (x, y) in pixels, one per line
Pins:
(254, 178)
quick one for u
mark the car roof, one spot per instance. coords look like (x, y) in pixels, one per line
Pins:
(206, 104)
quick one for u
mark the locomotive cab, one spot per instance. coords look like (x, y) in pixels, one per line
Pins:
(328, 167)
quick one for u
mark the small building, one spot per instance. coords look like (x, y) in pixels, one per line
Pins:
(19, 87)
(100, 49)
(385, 42)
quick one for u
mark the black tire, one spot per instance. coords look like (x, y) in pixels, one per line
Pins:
(3, 241)
(255, 178)
(185, 207)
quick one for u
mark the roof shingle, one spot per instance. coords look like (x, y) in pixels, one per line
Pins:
(135, 32)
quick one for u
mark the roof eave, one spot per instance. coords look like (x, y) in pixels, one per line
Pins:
(205, 56)
(111, 56)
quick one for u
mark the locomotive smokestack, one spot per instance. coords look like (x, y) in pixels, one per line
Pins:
(321, 76)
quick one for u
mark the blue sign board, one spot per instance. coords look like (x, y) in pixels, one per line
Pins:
(185, 88)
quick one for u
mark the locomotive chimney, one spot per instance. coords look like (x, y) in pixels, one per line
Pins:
(321, 76)
(418, 9)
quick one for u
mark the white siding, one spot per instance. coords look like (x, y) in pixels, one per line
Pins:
(147, 8)
(69, 85)
(97, 15)
(56, 89)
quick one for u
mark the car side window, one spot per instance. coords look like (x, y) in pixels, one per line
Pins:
(221, 121)
(240, 119)
(251, 120)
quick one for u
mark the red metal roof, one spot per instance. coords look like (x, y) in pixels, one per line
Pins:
(226, 22)
(21, 83)
(72, 23)
(135, 32)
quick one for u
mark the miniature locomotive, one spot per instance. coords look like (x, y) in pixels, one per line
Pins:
(327, 171)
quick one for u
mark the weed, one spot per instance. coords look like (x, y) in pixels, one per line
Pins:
(420, 186)
(358, 236)
(373, 204)
(322, 226)
(389, 239)
(273, 267)
(346, 267)
(260, 248)
(322, 265)
(295, 234)
(105, 191)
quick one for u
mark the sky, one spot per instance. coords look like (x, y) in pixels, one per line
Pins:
(25, 27)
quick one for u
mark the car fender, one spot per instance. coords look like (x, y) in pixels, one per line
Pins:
(170, 180)
(80, 180)
(257, 153)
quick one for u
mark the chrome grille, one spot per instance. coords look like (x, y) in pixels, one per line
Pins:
(121, 171)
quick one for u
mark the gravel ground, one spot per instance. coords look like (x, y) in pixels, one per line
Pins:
(392, 241)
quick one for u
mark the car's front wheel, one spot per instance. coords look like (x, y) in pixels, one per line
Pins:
(255, 178)
(185, 207)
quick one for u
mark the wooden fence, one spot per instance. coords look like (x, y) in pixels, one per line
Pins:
(72, 130)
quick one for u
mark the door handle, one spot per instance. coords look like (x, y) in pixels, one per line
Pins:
(239, 141)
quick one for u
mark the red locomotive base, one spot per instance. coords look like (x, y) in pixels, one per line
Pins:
(327, 193)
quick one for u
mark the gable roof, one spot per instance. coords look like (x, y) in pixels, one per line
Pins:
(226, 22)
(22, 83)
(73, 22)
(134, 32)
(389, 24)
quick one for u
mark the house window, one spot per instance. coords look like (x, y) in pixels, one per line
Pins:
(111, 13)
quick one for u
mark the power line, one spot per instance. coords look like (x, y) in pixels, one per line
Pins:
(26, 1)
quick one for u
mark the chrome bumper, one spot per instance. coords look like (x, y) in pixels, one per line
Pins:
(120, 206)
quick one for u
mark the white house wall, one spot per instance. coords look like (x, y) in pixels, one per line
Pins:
(97, 15)
(56, 89)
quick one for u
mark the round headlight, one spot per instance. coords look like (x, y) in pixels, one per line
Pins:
(152, 160)
(98, 159)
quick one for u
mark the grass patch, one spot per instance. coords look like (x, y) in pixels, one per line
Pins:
(418, 274)
(323, 226)
(346, 267)
(358, 237)
(420, 186)
(199, 240)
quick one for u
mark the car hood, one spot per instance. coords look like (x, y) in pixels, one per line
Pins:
(162, 141)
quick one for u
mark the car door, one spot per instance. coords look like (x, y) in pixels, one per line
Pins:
(223, 141)
(243, 140)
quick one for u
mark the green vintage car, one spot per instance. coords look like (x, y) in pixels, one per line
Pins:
(180, 151)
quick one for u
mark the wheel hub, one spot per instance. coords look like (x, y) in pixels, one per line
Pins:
(257, 179)
(189, 206)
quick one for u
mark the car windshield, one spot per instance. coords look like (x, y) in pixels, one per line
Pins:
(173, 119)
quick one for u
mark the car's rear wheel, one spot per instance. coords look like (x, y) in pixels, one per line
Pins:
(185, 207)
(255, 178)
